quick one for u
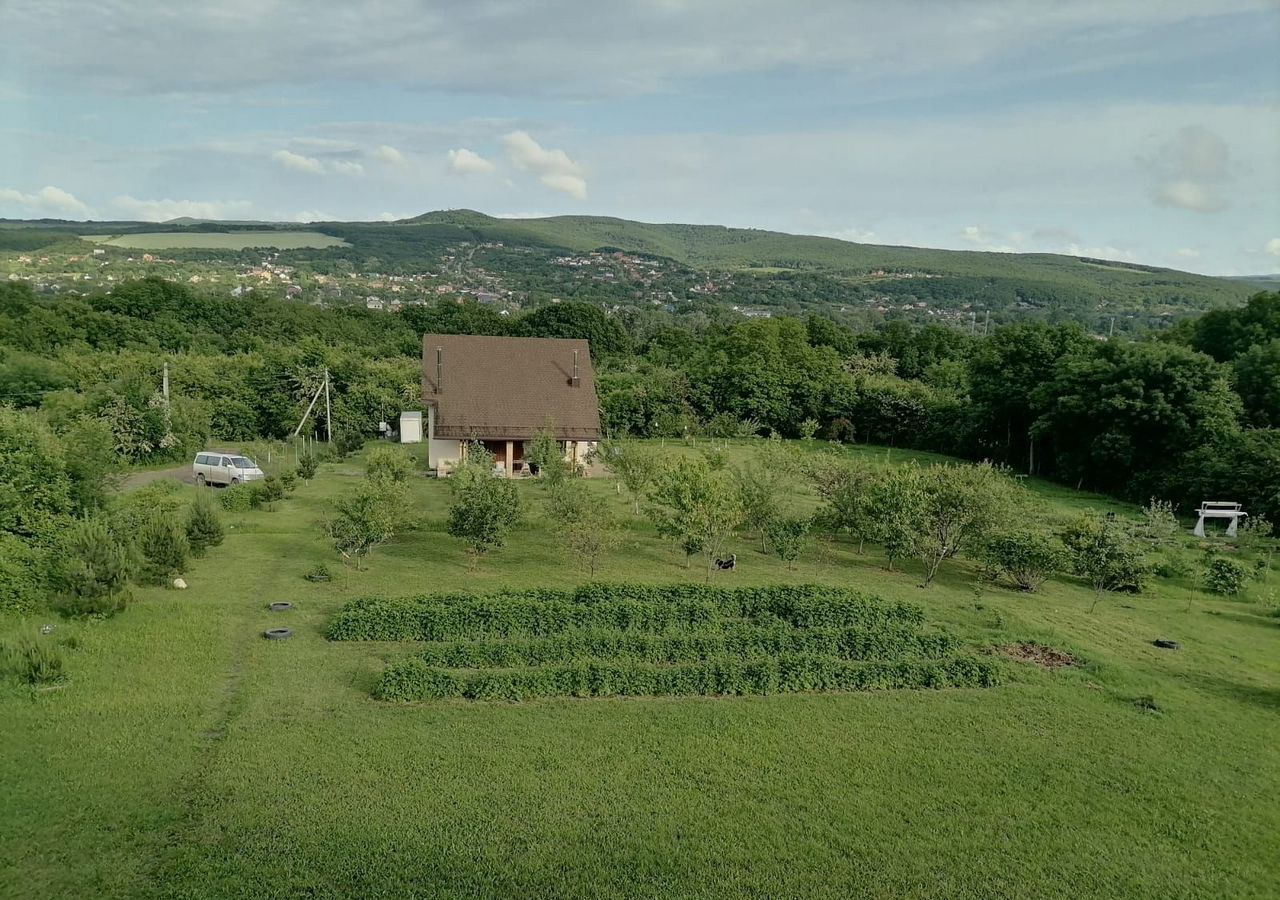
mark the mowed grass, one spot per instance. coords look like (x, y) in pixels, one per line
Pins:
(188, 757)
(232, 240)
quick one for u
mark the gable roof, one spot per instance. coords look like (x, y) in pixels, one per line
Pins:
(504, 387)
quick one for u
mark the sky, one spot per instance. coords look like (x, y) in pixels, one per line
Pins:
(1138, 131)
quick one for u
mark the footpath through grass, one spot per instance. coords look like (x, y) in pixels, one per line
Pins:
(187, 757)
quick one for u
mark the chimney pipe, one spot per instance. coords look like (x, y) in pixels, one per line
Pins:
(576, 381)
(439, 370)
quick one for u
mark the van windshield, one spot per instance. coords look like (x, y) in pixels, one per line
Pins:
(241, 463)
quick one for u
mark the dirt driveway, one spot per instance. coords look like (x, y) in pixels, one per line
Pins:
(138, 479)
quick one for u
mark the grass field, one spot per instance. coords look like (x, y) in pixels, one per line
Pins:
(235, 240)
(187, 757)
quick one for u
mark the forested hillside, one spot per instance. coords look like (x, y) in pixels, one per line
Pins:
(677, 268)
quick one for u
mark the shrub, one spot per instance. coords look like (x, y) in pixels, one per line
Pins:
(164, 549)
(1024, 558)
(96, 567)
(1225, 576)
(204, 525)
(631, 607)
(269, 490)
(238, 497)
(413, 679)
(740, 639)
(307, 466)
(288, 480)
(21, 583)
(34, 662)
(386, 463)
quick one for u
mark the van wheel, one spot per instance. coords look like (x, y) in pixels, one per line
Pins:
(235, 481)
(200, 480)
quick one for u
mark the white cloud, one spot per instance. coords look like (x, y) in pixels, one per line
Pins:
(48, 201)
(346, 167)
(1273, 246)
(162, 210)
(311, 165)
(298, 163)
(468, 162)
(1040, 240)
(1190, 170)
(554, 168)
(389, 155)
(1188, 253)
(312, 215)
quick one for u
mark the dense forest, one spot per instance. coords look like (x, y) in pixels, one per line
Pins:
(1189, 415)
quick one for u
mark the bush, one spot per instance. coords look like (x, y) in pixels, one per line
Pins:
(1225, 576)
(238, 497)
(413, 679)
(269, 490)
(34, 662)
(164, 549)
(288, 480)
(96, 567)
(204, 525)
(484, 506)
(389, 464)
(1024, 558)
(628, 607)
(21, 583)
(741, 640)
(1104, 554)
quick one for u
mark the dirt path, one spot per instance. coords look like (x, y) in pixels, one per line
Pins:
(138, 479)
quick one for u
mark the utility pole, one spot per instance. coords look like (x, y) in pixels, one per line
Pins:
(1112, 332)
(165, 386)
(328, 411)
(986, 323)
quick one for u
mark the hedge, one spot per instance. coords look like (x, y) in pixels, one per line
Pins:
(627, 607)
(413, 679)
(735, 639)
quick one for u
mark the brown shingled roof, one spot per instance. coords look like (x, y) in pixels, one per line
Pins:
(502, 387)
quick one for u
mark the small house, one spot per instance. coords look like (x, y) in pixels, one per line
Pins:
(501, 391)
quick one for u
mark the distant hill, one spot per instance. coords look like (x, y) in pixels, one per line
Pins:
(1045, 279)
(1263, 282)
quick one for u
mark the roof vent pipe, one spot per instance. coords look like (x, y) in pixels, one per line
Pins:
(576, 380)
(439, 369)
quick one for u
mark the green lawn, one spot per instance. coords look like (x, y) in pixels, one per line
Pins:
(188, 757)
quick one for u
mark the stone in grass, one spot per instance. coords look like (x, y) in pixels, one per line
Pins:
(179, 584)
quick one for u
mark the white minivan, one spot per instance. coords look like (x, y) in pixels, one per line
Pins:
(224, 468)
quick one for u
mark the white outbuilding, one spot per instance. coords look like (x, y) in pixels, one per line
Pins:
(410, 427)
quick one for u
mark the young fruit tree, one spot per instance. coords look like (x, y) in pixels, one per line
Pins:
(484, 506)
(696, 507)
(586, 526)
(1022, 557)
(788, 537)
(545, 454)
(1105, 555)
(364, 518)
(634, 465)
(957, 507)
(307, 466)
(759, 489)
(386, 464)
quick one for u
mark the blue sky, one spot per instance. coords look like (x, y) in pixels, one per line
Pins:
(1138, 131)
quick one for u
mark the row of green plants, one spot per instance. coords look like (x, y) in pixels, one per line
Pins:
(413, 679)
(436, 617)
(740, 640)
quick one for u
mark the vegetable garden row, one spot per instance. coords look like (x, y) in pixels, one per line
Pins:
(605, 640)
